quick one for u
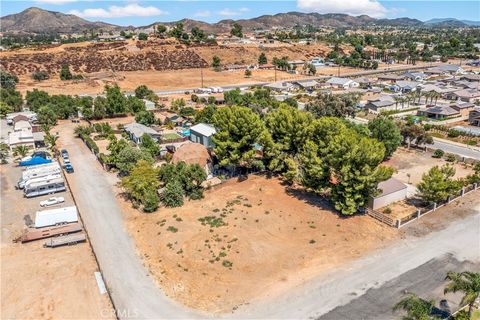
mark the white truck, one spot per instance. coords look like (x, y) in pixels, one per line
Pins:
(57, 216)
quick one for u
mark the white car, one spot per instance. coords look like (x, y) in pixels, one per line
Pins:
(51, 201)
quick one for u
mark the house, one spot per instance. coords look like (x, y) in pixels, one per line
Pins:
(296, 63)
(21, 125)
(149, 105)
(391, 78)
(267, 66)
(392, 190)
(404, 86)
(467, 95)
(414, 76)
(202, 133)
(470, 77)
(25, 115)
(308, 85)
(474, 116)
(439, 112)
(279, 86)
(194, 153)
(136, 130)
(21, 137)
(177, 120)
(445, 69)
(365, 81)
(342, 83)
(383, 103)
(463, 108)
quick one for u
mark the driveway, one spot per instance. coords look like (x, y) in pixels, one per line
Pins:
(136, 295)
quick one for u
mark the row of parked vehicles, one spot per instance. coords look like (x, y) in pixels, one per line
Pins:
(44, 178)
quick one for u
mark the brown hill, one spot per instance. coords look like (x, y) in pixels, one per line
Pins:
(36, 20)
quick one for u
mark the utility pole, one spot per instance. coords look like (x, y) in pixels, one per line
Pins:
(201, 76)
(275, 68)
(338, 71)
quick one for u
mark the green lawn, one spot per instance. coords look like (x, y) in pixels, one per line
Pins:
(476, 315)
(170, 136)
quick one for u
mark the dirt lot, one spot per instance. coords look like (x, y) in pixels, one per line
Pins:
(260, 240)
(41, 283)
(415, 164)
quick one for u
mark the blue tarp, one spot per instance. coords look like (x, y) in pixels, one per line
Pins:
(34, 161)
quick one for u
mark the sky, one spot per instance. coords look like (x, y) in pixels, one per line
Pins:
(139, 13)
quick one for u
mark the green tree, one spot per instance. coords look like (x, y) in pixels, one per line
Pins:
(216, 63)
(177, 31)
(147, 143)
(11, 99)
(262, 59)
(46, 115)
(173, 194)
(334, 105)
(385, 130)
(416, 308)
(36, 99)
(248, 73)
(206, 114)
(116, 102)
(142, 184)
(129, 156)
(239, 131)
(289, 129)
(466, 282)
(142, 36)
(438, 183)
(146, 118)
(161, 29)
(4, 109)
(8, 80)
(4, 151)
(65, 73)
(20, 151)
(236, 30)
(51, 141)
(143, 92)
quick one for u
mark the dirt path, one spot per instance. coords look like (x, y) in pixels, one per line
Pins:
(134, 293)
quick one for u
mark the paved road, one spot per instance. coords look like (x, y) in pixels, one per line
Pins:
(427, 281)
(340, 287)
(135, 294)
(452, 148)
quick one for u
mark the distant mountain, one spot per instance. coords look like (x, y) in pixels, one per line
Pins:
(452, 22)
(291, 19)
(36, 20)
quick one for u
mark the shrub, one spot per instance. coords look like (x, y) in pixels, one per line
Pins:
(452, 133)
(450, 157)
(150, 201)
(227, 264)
(387, 210)
(173, 194)
(40, 75)
(438, 153)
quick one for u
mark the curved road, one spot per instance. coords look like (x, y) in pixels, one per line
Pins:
(136, 295)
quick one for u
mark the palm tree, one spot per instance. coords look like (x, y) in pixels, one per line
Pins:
(466, 282)
(45, 127)
(416, 308)
(20, 151)
(51, 141)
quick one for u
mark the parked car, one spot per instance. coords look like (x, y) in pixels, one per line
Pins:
(66, 160)
(51, 201)
(69, 168)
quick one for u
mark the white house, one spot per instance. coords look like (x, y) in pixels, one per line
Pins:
(343, 83)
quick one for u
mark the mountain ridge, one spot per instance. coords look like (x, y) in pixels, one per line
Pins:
(40, 21)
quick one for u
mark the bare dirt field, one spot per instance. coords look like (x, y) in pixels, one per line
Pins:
(411, 165)
(254, 239)
(42, 283)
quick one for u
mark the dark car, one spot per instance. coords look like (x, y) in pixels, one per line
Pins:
(64, 152)
(69, 168)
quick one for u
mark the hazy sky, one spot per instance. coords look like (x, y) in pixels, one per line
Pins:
(145, 12)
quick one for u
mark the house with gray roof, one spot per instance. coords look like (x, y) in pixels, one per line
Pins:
(439, 112)
(136, 130)
(383, 103)
(390, 191)
(342, 83)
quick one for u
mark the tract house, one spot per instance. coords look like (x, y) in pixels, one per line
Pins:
(342, 83)
(136, 130)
